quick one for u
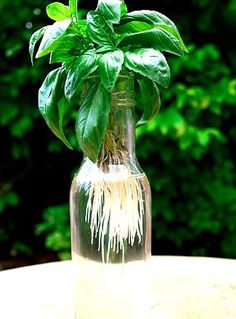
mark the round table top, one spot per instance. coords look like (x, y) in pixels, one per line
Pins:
(182, 288)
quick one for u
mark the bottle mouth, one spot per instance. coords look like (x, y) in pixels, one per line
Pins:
(96, 76)
(123, 82)
(123, 93)
(123, 99)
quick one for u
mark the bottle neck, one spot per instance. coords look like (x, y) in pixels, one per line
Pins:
(119, 140)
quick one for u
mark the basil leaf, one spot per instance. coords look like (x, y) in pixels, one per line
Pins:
(155, 18)
(149, 98)
(63, 107)
(92, 120)
(46, 91)
(100, 31)
(157, 38)
(52, 37)
(79, 71)
(149, 16)
(36, 36)
(133, 27)
(69, 48)
(52, 103)
(175, 33)
(111, 10)
(110, 65)
(58, 11)
(150, 63)
(124, 9)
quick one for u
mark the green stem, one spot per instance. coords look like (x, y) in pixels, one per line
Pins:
(73, 8)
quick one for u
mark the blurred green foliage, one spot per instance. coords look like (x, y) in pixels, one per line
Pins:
(187, 151)
(55, 225)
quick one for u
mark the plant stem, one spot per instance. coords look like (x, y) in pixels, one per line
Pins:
(73, 9)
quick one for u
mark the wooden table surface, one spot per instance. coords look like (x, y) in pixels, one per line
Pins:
(182, 288)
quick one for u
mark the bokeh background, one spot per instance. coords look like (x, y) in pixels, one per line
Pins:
(187, 151)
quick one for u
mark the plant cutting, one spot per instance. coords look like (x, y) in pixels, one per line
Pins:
(110, 62)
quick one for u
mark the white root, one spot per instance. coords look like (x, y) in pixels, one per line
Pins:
(115, 209)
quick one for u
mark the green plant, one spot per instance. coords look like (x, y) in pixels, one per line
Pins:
(109, 42)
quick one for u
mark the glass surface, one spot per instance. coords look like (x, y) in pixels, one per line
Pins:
(110, 206)
(118, 228)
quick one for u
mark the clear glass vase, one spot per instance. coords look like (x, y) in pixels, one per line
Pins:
(110, 206)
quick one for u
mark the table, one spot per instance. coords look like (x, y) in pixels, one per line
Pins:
(182, 288)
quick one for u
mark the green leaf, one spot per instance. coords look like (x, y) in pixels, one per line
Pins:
(132, 27)
(175, 33)
(110, 65)
(149, 99)
(69, 48)
(150, 63)
(110, 9)
(46, 91)
(155, 18)
(79, 71)
(52, 37)
(36, 36)
(52, 103)
(58, 11)
(156, 38)
(92, 120)
(151, 17)
(124, 9)
(100, 31)
(63, 107)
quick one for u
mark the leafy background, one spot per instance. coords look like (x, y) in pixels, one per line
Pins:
(187, 151)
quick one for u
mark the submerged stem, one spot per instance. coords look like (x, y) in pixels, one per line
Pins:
(112, 151)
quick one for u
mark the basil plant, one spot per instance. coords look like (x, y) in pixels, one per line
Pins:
(109, 42)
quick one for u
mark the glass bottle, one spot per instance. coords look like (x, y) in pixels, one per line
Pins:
(110, 207)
